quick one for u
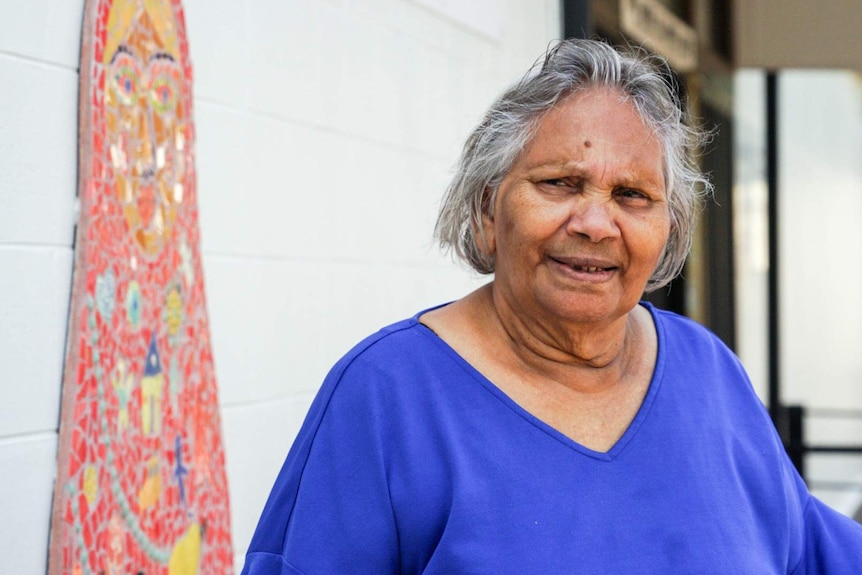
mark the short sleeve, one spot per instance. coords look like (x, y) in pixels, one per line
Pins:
(330, 511)
(833, 542)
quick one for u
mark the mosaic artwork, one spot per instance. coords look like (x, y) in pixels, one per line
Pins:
(141, 486)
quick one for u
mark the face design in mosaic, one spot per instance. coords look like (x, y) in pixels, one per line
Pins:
(147, 125)
(141, 484)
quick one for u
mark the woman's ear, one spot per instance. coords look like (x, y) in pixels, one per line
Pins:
(485, 235)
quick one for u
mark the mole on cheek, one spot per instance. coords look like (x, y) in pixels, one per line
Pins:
(587, 144)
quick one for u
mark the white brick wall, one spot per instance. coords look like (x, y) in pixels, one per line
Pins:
(326, 132)
(38, 138)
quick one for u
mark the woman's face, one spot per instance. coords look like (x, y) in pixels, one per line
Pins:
(581, 220)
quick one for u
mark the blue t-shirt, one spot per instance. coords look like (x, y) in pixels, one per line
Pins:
(411, 461)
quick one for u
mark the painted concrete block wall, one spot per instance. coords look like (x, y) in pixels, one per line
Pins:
(38, 170)
(326, 133)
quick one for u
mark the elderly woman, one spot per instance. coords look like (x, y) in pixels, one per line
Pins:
(549, 422)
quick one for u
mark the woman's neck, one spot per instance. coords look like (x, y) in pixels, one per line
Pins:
(588, 356)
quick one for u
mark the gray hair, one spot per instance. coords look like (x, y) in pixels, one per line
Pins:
(569, 67)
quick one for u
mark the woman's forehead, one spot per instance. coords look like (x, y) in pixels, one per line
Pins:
(590, 124)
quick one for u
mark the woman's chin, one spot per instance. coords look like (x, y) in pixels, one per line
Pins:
(587, 306)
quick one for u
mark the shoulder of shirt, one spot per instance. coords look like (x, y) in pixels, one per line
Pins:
(689, 346)
(680, 326)
(387, 348)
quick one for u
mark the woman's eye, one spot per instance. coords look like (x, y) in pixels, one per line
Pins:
(560, 183)
(629, 194)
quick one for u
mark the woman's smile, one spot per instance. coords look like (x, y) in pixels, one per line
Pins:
(584, 269)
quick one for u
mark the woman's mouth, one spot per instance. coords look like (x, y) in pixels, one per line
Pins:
(586, 269)
(590, 265)
(590, 269)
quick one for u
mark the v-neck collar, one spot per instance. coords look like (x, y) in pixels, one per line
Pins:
(621, 443)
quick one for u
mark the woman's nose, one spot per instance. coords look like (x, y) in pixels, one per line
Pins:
(592, 217)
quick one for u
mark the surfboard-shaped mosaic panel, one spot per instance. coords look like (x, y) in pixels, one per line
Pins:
(141, 486)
